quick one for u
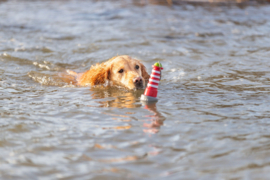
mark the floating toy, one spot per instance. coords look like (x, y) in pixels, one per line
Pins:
(150, 93)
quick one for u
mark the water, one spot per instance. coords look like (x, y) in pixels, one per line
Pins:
(212, 117)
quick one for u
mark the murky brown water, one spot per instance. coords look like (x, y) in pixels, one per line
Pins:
(212, 119)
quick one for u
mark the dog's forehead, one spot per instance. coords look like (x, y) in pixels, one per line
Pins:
(124, 61)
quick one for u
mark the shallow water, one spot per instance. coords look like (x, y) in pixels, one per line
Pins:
(212, 117)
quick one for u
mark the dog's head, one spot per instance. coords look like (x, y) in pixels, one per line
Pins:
(120, 70)
(128, 72)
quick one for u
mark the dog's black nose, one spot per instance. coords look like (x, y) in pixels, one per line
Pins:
(138, 81)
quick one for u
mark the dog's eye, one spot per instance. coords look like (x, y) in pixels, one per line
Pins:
(137, 67)
(121, 70)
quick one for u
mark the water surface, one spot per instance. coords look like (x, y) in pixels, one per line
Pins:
(211, 120)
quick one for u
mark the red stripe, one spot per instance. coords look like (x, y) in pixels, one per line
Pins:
(157, 68)
(154, 78)
(155, 74)
(150, 82)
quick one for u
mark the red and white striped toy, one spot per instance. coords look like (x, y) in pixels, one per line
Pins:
(150, 93)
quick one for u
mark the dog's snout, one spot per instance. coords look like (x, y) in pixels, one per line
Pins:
(137, 80)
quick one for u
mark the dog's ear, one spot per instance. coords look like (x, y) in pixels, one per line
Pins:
(145, 75)
(100, 75)
(96, 75)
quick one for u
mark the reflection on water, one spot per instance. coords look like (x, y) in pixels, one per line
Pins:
(154, 122)
(119, 98)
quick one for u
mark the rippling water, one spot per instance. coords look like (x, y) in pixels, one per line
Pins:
(212, 119)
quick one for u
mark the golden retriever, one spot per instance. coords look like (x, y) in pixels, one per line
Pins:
(120, 70)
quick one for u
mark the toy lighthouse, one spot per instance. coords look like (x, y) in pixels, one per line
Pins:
(150, 93)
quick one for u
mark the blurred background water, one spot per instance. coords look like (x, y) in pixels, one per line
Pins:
(212, 119)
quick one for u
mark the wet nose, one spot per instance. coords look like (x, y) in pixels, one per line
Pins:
(137, 81)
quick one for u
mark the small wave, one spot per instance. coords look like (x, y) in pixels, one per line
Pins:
(47, 65)
(175, 75)
(52, 80)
